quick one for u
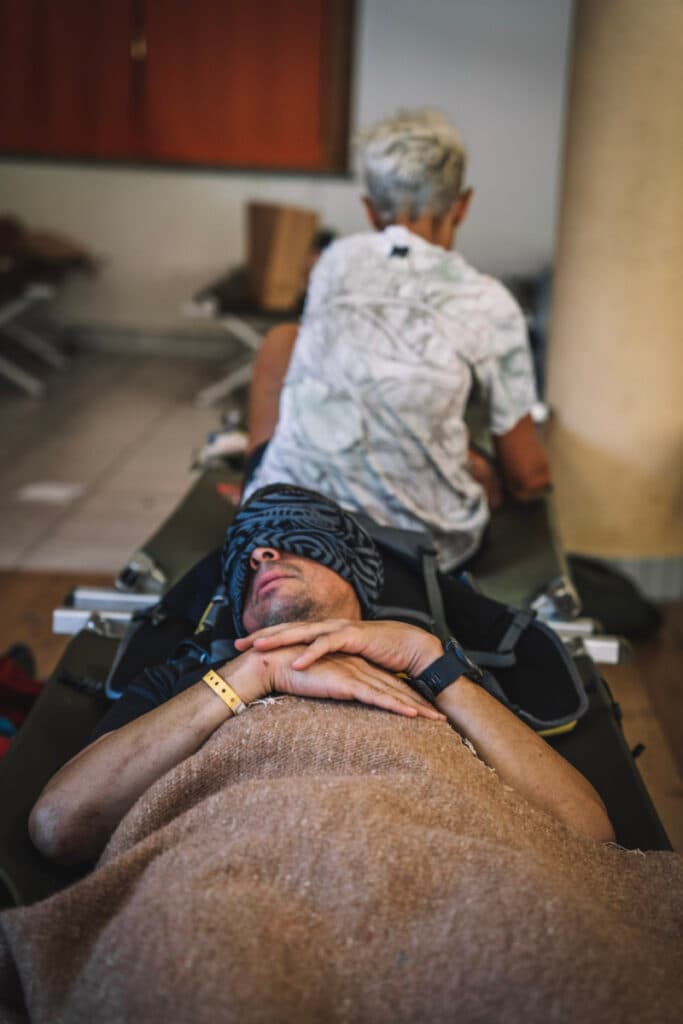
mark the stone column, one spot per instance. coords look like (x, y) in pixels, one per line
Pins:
(615, 373)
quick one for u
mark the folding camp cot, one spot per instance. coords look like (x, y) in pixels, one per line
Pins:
(521, 563)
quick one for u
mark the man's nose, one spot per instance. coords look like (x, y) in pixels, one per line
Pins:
(260, 555)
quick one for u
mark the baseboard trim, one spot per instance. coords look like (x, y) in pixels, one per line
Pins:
(660, 579)
(198, 345)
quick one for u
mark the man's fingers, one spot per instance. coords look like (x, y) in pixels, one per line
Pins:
(347, 677)
(388, 702)
(390, 692)
(341, 641)
(287, 633)
(391, 700)
(396, 685)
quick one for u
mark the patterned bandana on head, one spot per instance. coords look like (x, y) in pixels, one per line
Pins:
(300, 522)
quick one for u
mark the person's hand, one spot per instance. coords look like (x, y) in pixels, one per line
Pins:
(484, 472)
(395, 646)
(255, 673)
(346, 677)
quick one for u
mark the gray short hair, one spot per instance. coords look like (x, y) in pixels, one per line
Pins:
(412, 163)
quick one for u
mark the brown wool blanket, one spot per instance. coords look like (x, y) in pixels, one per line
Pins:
(324, 862)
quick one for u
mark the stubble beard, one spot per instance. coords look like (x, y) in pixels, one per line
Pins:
(299, 608)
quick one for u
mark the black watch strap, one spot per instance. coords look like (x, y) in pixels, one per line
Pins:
(452, 664)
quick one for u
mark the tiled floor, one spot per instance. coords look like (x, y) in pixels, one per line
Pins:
(124, 429)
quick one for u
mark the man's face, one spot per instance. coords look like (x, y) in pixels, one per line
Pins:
(290, 588)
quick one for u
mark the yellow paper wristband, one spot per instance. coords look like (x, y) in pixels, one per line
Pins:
(224, 691)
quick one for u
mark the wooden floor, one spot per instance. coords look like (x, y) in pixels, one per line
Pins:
(660, 665)
(27, 600)
(650, 691)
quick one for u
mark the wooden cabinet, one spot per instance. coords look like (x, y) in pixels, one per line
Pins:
(230, 83)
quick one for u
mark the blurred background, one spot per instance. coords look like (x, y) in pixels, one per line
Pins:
(498, 69)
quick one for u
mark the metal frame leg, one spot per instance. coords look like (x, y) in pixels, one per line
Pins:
(224, 387)
(25, 381)
(37, 345)
(239, 327)
(9, 312)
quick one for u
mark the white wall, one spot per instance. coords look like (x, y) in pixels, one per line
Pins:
(497, 67)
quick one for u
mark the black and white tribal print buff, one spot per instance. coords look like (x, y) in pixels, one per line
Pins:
(300, 522)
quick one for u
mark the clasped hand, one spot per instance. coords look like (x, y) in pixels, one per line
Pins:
(348, 660)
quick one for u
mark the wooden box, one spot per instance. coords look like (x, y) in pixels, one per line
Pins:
(279, 248)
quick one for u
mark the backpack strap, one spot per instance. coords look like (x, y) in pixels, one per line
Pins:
(417, 548)
(504, 655)
(208, 619)
(429, 570)
(220, 651)
(521, 618)
(387, 611)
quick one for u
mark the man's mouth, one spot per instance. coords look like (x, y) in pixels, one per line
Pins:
(271, 577)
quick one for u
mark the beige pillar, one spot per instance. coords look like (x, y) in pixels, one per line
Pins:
(615, 379)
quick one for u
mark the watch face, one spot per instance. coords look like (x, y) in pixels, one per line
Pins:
(446, 669)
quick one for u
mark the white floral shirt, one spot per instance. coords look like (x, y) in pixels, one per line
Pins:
(394, 334)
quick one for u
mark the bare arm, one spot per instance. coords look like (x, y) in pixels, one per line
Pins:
(522, 460)
(270, 367)
(484, 472)
(521, 758)
(83, 803)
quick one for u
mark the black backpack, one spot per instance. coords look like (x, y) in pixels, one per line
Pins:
(525, 664)
(613, 599)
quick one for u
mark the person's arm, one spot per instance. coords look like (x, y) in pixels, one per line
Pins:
(83, 803)
(270, 367)
(484, 472)
(524, 760)
(522, 460)
(505, 374)
(521, 758)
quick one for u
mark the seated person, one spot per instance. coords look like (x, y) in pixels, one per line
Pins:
(292, 556)
(397, 330)
(351, 858)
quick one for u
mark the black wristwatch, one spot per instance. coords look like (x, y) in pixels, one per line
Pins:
(452, 664)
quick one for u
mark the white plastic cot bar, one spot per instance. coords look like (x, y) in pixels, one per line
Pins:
(69, 621)
(574, 627)
(108, 599)
(607, 650)
(602, 649)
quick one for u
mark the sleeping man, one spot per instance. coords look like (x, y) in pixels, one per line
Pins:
(336, 824)
(310, 633)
